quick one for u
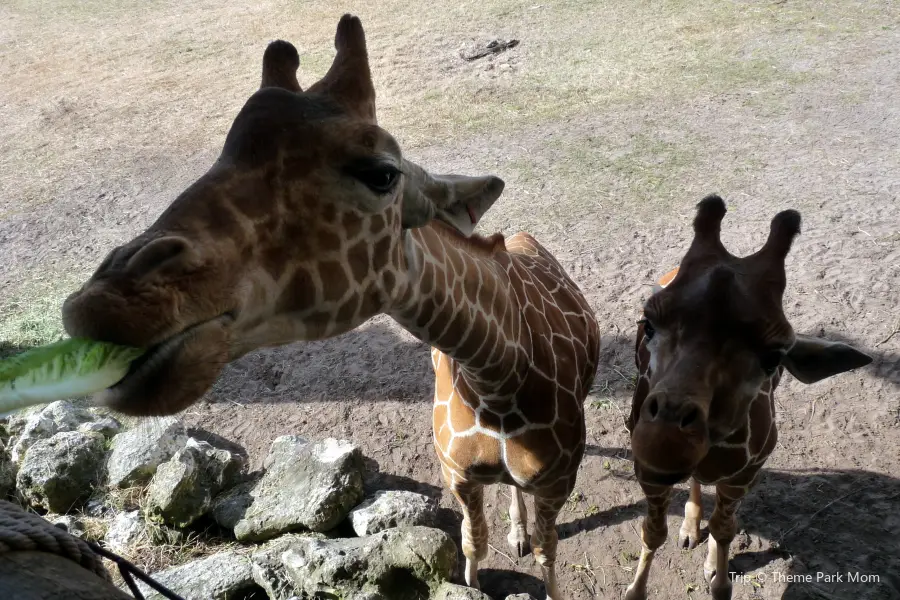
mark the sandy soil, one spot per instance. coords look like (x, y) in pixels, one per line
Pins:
(609, 187)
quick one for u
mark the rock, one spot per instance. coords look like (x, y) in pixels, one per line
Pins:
(222, 576)
(451, 591)
(388, 509)
(60, 473)
(7, 474)
(126, 530)
(520, 597)
(268, 568)
(308, 486)
(52, 419)
(70, 524)
(399, 563)
(14, 423)
(98, 509)
(105, 426)
(183, 488)
(137, 453)
(282, 446)
(231, 506)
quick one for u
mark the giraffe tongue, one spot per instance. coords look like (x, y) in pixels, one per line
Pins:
(472, 214)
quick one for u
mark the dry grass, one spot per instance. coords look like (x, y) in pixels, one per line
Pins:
(91, 87)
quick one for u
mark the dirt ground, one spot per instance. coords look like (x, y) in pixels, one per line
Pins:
(608, 124)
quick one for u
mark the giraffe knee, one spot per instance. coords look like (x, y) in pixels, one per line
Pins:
(723, 528)
(653, 535)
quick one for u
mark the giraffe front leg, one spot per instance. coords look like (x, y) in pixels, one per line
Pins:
(544, 538)
(722, 529)
(518, 517)
(474, 527)
(689, 535)
(653, 533)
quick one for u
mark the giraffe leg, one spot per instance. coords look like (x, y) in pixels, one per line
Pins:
(474, 527)
(544, 539)
(653, 533)
(722, 529)
(689, 536)
(518, 516)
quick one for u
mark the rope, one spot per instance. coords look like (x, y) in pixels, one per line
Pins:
(24, 531)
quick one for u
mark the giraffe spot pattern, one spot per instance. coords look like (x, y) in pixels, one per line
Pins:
(519, 417)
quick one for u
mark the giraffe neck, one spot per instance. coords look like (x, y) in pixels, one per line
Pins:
(460, 301)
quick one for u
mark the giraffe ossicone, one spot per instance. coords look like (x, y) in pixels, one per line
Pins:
(710, 350)
(311, 222)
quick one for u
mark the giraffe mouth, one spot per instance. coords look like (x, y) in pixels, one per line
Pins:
(166, 363)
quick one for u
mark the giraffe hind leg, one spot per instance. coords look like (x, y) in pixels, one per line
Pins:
(689, 535)
(518, 517)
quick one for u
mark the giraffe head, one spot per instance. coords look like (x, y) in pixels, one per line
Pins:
(712, 337)
(299, 231)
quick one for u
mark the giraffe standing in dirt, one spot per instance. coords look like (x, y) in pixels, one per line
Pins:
(711, 349)
(310, 223)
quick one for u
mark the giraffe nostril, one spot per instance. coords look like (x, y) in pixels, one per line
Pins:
(653, 408)
(690, 418)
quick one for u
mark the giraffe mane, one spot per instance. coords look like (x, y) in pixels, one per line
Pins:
(484, 245)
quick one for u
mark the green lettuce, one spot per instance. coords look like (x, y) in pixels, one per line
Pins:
(67, 369)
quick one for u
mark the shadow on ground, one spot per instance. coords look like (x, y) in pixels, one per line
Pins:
(831, 522)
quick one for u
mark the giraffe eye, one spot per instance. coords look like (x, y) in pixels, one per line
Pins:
(380, 180)
(649, 331)
(771, 360)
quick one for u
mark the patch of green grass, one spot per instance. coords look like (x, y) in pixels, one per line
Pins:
(32, 317)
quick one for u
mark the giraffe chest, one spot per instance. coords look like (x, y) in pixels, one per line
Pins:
(531, 442)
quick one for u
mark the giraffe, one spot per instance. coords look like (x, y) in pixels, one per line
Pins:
(310, 223)
(710, 350)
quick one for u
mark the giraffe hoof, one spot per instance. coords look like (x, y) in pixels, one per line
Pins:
(635, 593)
(688, 540)
(519, 544)
(720, 590)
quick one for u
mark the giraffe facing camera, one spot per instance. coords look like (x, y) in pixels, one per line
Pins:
(710, 350)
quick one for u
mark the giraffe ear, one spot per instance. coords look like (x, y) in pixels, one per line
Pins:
(458, 200)
(280, 64)
(812, 359)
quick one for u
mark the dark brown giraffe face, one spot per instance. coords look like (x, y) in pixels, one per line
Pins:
(711, 338)
(300, 231)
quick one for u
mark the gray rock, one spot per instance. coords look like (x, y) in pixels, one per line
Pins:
(137, 453)
(125, 531)
(310, 486)
(388, 509)
(7, 473)
(399, 563)
(268, 568)
(105, 426)
(520, 597)
(230, 506)
(59, 474)
(183, 488)
(451, 591)
(282, 446)
(69, 523)
(52, 419)
(222, 576)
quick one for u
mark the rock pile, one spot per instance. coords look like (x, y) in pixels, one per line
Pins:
(288, 522)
